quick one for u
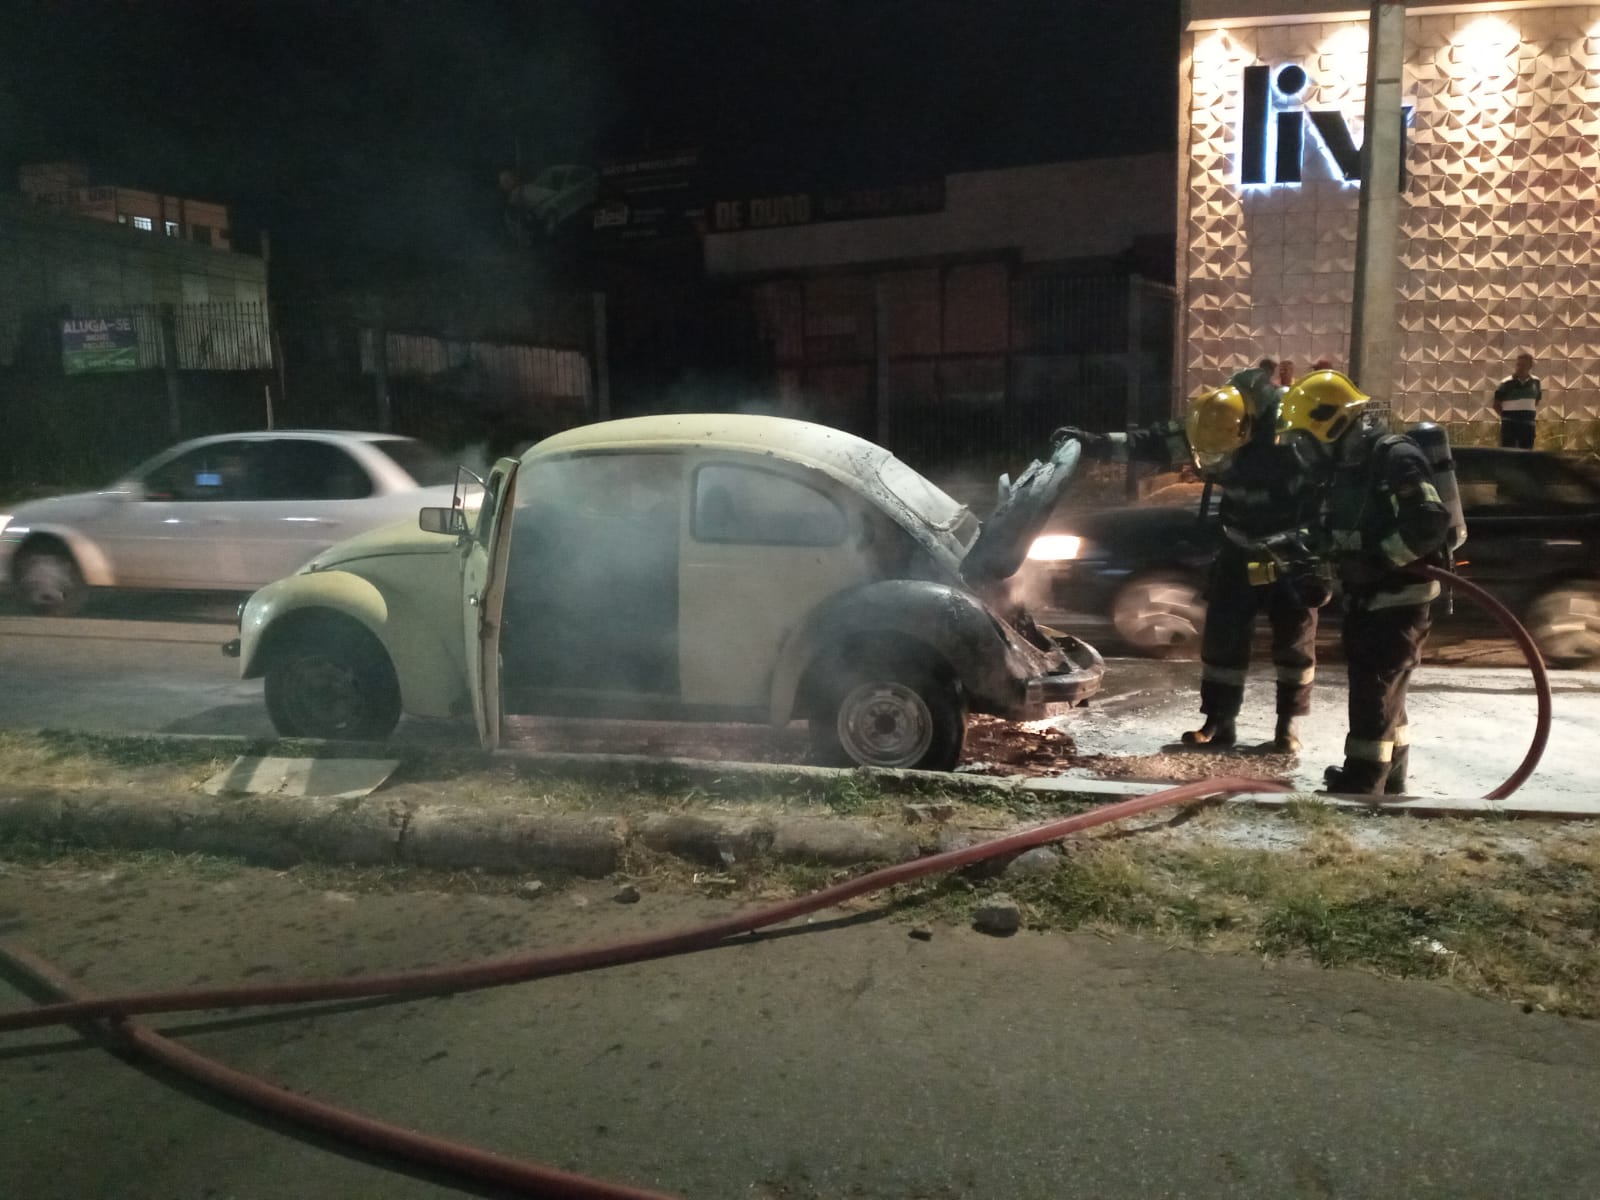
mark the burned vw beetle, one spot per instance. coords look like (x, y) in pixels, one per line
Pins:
(699, 568)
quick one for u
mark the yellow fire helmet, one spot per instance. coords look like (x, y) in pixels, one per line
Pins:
(1324, 404)
(1217, 425)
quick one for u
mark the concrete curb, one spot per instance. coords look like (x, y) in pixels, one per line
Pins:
(388, 829)
(282, 831)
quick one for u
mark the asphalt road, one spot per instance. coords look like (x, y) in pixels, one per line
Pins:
(840, 1059)
(151, 664)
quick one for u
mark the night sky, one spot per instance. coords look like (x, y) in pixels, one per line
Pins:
(378, 126)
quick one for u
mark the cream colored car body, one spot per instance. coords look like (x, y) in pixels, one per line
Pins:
(748, 614)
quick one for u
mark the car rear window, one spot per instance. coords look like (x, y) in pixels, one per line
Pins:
(418, 460)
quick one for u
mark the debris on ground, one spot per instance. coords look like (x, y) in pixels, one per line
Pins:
(922, 814)
(1041, 860)
(530, 889)
(1185, 765)
(1008, 748)
(998, 915)
(626, 894)
(922, 934)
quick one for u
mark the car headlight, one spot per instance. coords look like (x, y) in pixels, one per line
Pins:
(1055, 547)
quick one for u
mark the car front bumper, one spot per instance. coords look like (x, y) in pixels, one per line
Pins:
(1078, 682)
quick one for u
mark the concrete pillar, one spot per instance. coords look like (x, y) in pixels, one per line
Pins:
(1374, 331)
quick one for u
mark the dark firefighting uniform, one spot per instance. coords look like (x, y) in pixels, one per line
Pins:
(1381, 514)
(1267, 489)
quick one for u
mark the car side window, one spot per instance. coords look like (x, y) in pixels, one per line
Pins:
(215, 471)
(745, 504)
(302, 469)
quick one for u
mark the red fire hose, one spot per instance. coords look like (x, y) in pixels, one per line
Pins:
(1535, 660)
(524, 1178)
(533, 1179)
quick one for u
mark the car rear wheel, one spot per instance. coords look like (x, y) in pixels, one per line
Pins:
(49, 582)
(891, 716)
(1565, 622)
(329, 682)
(1161, 616)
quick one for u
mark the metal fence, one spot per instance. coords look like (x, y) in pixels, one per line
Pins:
(963, 367)
(195, 369)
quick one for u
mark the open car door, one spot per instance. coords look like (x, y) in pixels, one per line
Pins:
(483, 593)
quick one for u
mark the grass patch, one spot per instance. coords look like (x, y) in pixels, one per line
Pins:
(1494, 924)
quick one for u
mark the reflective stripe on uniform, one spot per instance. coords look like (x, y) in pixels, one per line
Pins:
(1402, 736)
(1230, 675)
(1417, 593)
(1518, 406)
(1395, 547)
(1347, 539)
(1368, 750)
(1119, 446)
(1430, 493)
(1295, 675)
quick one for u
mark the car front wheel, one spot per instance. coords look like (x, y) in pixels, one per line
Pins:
(1161, 616)
(328, 682)
(892, 717)
(1565, 623)
(49, 582)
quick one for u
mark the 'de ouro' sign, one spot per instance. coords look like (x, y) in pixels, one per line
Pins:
(99, 344)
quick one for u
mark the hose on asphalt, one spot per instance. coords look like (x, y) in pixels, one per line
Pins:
(1536, 667)
(465, 1161)
(535, 1179)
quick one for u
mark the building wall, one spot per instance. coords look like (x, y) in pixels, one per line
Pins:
(1499, 241)
(65, 186)
(52, 261)
(1052, 211)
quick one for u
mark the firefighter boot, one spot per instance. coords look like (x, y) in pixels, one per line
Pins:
(1217, 731)
(1284, 739)
(1352, 779)
(1395, 785)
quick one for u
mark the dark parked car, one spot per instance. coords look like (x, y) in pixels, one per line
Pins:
(1533, 539)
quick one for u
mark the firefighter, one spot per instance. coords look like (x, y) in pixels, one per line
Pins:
(1380, 514)
(1267, 491)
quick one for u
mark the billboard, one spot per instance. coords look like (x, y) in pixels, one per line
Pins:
(99, 344)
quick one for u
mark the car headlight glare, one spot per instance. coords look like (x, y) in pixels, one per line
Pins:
(5, 519)
(1055, 547)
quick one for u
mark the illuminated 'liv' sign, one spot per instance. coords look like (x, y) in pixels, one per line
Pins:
(1274, 126)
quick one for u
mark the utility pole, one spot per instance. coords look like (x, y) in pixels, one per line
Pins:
(1374, 332)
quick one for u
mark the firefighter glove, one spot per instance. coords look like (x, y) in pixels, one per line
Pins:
(1095, 445)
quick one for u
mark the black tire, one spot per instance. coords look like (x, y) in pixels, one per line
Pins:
(332, 682)
(890, 715)
(48, 581)
(1161, 615)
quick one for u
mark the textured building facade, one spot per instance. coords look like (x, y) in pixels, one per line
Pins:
(1499, 239)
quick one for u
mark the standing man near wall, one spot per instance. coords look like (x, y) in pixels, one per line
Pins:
(1517, 403)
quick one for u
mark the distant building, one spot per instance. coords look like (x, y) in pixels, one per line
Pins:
(65, 186)
(1497, 246)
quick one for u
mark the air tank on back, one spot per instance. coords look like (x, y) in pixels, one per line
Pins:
(1435, 445)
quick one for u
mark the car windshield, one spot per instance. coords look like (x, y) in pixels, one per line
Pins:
(935, 506)
(418, 460)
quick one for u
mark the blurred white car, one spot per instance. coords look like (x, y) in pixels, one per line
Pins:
(227, 513)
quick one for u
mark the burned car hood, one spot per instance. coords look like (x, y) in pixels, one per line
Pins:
(1018, 517)
(403, 537)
